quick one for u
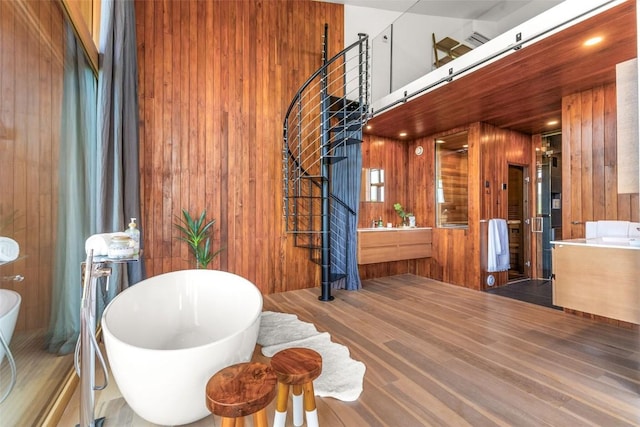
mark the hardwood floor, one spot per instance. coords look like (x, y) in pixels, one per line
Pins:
(439, 354)
(39, 375)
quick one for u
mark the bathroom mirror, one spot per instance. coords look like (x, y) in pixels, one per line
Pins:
(372, 187)
(452, 180)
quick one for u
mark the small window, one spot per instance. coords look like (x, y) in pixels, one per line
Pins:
(373, 185)
(452, 192)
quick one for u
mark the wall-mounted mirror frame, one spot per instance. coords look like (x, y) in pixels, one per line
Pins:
(452, 180)
(372, 187)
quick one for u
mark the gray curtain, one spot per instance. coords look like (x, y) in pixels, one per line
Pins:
(75, 204)
(99, 174)
(118, 183)
(345, 179)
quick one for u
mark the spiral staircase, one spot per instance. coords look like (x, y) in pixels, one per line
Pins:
(324, 119)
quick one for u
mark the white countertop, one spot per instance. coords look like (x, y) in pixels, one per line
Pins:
(394, 228)
(603, 242)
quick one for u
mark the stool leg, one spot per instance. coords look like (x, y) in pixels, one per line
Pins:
(228, 422)
(260, 418)
(281, 405)
(240, 422)
(296, 397)
(310, 405)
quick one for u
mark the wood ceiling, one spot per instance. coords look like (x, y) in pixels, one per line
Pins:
(524, 90)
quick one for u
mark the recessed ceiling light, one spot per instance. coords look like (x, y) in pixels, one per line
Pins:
(593, 41)
(552, 122)
(368, 127)
(465, 146)
(403, 134)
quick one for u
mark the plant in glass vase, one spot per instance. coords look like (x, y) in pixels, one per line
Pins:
(402, 213)
(196, 233)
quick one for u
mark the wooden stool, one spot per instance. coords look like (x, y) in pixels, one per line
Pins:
(296, 367)
(240, 390)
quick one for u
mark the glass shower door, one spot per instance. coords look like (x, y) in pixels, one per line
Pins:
(541, 223)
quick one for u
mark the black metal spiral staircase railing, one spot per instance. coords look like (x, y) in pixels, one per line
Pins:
(328, 109)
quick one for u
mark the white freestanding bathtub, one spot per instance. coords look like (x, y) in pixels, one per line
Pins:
(167, 335)
(9, 308)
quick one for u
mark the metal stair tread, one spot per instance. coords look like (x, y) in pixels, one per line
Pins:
(334, 159)
(349, 127)
(343, 103)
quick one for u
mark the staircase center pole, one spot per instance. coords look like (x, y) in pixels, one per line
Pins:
(325, 236)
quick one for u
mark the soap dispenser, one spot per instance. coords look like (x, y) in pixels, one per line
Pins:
(134, 235)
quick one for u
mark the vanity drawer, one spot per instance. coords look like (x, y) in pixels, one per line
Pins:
(393, 245)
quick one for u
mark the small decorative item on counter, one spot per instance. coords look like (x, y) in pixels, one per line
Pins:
(134, 234)
(404, 215)
(121, 247)
(380, 223)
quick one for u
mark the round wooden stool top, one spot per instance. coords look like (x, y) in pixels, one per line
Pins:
(295, 366)
(240, 390)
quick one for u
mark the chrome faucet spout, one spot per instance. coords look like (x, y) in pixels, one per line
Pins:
(16, 278)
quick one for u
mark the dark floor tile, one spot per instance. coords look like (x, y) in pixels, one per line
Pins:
(532, 291)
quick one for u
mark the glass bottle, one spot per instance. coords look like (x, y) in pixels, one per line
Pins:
(134, 235)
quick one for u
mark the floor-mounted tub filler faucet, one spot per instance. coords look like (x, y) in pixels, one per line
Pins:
(12, 364)
(4, 345)
(87, 346)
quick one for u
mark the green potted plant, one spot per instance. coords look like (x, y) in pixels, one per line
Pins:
(401, 212)
(196, 233)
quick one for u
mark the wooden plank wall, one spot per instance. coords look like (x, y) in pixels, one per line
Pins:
(458, 254)
(31, 68)
(216, 78)
(455, 250)
(393, 156)
(589, 184)
(589, 162)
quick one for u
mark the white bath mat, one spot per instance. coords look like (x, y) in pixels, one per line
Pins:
(341, 376)
(279, 328)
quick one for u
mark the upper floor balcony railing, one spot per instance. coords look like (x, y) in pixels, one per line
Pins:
(422, 49)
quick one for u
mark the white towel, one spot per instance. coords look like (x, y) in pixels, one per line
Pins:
(100, 243)
(498, 246)
(9, 249)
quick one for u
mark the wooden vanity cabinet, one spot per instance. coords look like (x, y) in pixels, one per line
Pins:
(396, 244)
